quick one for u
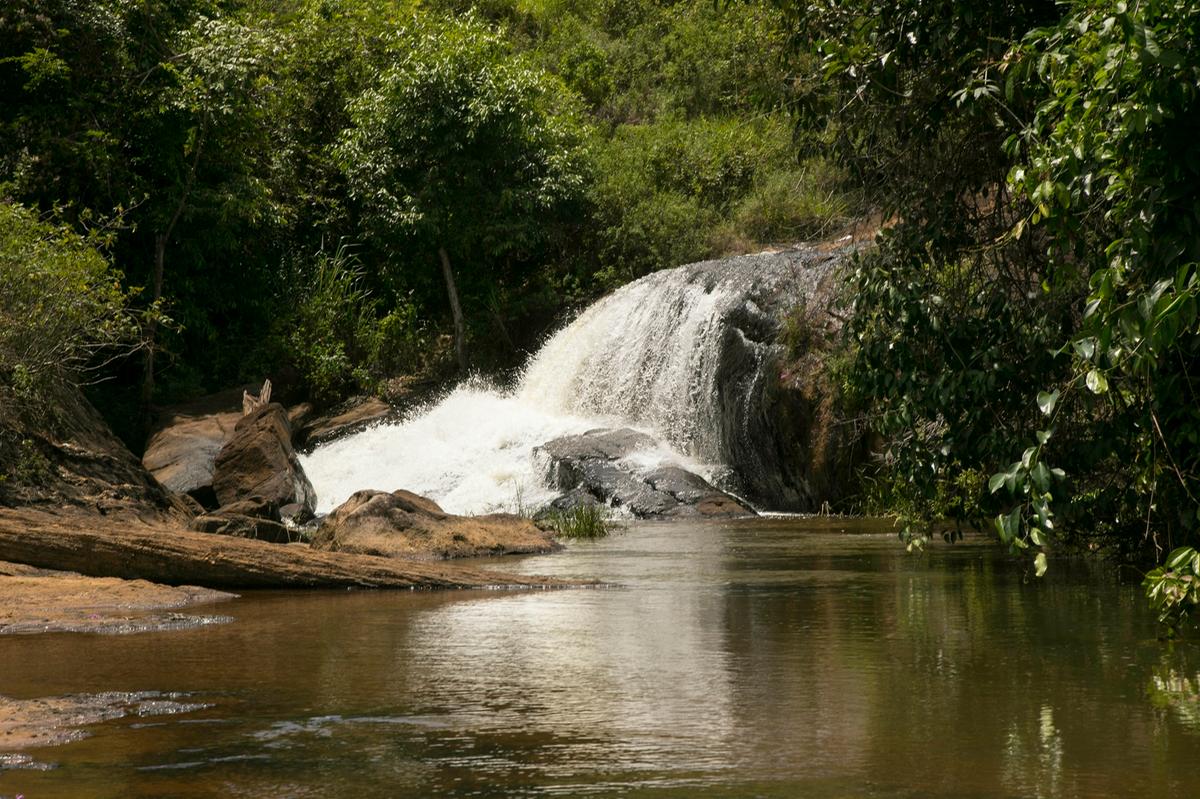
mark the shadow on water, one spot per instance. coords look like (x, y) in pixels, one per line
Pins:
(778, 657)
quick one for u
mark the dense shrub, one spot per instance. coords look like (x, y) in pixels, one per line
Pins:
(1031, 313)
(335, 334)
(62, 307)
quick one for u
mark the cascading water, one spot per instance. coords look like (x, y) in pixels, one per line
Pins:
(682, 355)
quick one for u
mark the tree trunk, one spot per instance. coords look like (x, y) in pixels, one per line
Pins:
(160, 255)
(460, 336)
(173, 556)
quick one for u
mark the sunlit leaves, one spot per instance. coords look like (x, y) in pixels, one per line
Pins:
(1047, 400)
(462, 143)
(1174, 587)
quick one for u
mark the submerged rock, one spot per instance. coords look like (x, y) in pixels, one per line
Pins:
(405, 525)
(259, 461)
(597, 467)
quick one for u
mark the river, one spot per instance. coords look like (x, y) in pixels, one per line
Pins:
(771, 657)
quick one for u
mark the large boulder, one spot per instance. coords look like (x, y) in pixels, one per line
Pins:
(599, 466)
(182, 449)
(259, 461)
(405, 525)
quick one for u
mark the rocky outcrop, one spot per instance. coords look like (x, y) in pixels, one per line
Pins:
(406, 525)
(240, 525)
(133, 549)
(184, 444)
(706, 356)
(258, 461)
(349, 417)
(769, 421)
(58, 451)
(597, 467)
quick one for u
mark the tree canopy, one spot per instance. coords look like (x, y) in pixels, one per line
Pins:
(1026, 331)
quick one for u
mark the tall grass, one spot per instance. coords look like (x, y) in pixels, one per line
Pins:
(582, 521)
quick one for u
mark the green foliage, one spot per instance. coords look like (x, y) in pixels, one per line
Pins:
(1112, 182)
(791, 205)
(1174, 588)
(573, 146)
(62, 308)
(335, 335)
(462, 145)
(32, 467)
(676, 191)
(1037, 288)
(581, 521)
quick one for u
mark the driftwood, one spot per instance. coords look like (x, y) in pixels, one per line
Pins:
(251, 403)
(154, 551)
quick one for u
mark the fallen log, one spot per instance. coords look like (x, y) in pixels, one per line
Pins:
(134, 549)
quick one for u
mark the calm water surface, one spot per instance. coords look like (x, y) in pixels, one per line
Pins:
(766, 658)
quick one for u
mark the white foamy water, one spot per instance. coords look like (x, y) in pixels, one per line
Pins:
(643, 357)
(472, 452)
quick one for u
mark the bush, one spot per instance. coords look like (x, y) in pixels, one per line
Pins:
(677, 190)
(792, 205)
(335, 336)
(62, 306)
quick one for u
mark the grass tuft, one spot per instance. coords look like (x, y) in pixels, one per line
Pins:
(582, 521)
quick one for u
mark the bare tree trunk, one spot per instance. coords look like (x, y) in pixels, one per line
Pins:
(182, 557)
(460, 343)
(160, 255)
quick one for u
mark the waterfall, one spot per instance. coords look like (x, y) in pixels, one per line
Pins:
(682, 354)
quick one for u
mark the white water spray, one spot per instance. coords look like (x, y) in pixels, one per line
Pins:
(646, 357)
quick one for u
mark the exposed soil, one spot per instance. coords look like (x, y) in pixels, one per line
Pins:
(39, 601)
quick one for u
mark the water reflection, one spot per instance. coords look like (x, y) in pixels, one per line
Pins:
(773, 659)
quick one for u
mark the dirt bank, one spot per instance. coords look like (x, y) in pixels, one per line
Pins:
(36, 600)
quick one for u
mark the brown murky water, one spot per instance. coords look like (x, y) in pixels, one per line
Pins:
(769, 658)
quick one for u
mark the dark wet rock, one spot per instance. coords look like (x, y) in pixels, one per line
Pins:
(254, 517)
(593, 468)
(693, 491)
(575, 498)
(406, 525)
(599, 444)
(242, 526)
(259, 461)
(193, 506)
(772, 421)
(256, 506)
(296, 514)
